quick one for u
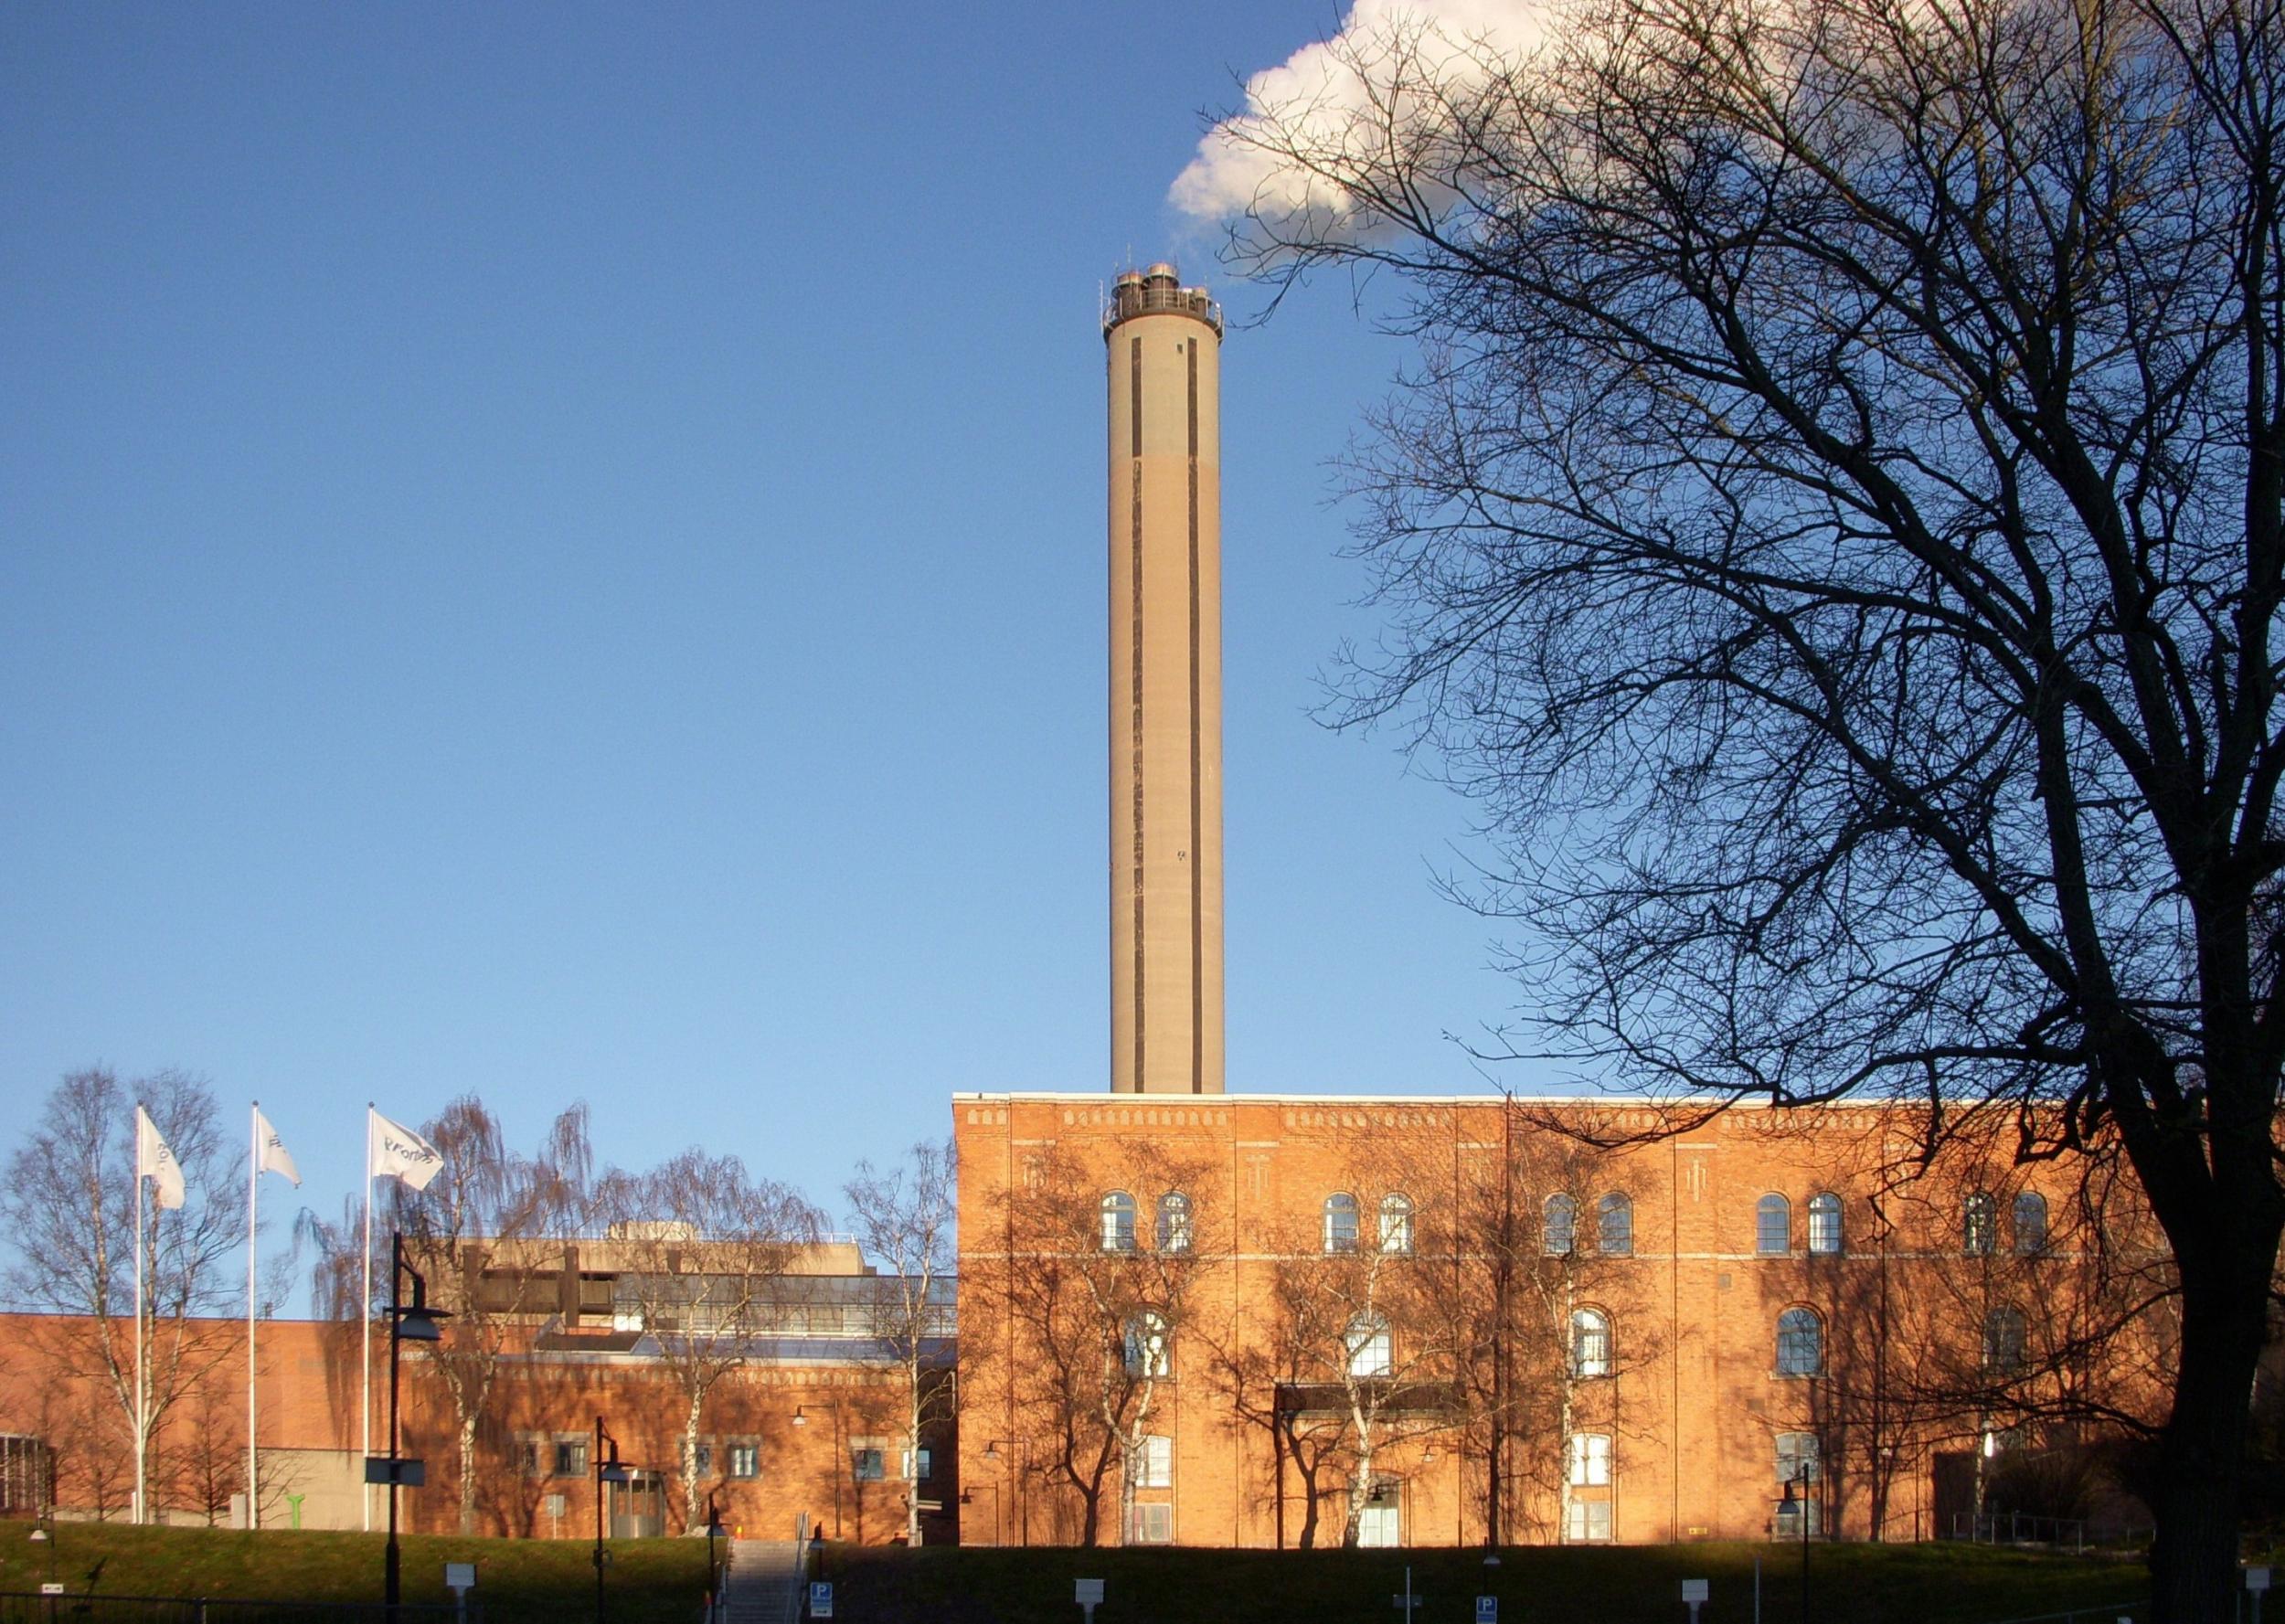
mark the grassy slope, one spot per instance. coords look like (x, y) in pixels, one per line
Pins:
(661, 1581)
(1861, 1584)
(652, 1581)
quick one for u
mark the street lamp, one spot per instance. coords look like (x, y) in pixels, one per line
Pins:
(607, 1470)
(1801, 1506)
(714, 1568)
(413, 1321)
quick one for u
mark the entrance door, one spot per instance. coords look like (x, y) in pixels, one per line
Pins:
(638, 1507)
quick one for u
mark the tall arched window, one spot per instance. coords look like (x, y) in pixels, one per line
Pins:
(1118, 1222)
(1341, 1223)
(1591, 1343)
(1801, 1343)
(1174, 1221)
(1147, 1351)
(1367, 1342)
(1979, 1221)
(2004, 1340)
(1615, 1225)
(2031, 1224)
(1824, 1223)
(1772, 1226)
(1396, 1225)
(1559, 1231)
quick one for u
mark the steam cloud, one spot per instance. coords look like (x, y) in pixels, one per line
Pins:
(1325, 88)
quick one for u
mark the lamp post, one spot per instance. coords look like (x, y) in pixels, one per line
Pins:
(840, 1466)
(44, 1537)
(413, 1321)
(714, 1567)
(607, 1471)
(1800, 1505)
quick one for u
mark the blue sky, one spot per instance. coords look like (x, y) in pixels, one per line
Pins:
(557, 551)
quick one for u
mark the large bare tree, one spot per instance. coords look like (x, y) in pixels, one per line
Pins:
(482, 1214)
(1834, 527)
(702, 1249)
(69, 1205)
(905, 1220)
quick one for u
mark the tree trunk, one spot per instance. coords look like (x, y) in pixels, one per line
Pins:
(2194, 1562)
(467, 1475)
(691, 1523)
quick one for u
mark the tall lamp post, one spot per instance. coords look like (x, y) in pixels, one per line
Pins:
(1800, 1505)
(713, 1566)
(413, 1321)
(607, 1471)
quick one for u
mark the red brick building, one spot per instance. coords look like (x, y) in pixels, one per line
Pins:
(1239, 1320)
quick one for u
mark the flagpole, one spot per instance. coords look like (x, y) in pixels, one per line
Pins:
(254, 1194)
(365, 1308)
(142, 1430)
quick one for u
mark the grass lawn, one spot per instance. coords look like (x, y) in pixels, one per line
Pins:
(651, 1581)
(1855, 1584)
(661, 1581)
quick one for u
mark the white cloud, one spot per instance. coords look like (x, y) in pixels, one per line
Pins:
(1325, 88)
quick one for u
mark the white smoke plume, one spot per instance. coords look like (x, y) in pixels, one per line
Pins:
(1326, 90)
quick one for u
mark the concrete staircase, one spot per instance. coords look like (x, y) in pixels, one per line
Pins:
(765, 1583)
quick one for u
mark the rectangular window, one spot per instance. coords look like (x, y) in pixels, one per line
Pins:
(1590, 1459)
(1154, 1464)
(745, 1460)
(1797, 1456)
(1589, 1521)
(571, 1458)
(1785, 1523)
(921, 1476)
(703, 1462)
(1155, 1524)
(527, 1457)
(867, 1466)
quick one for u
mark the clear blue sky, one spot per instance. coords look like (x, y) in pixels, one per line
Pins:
(558, 551)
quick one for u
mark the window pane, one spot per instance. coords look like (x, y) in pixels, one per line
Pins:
(1799, 1343)
(1562, 1223)
(1118, 1222)
(2031, 1224)
(1396, 1225)
(1340, 1223)
(1978, 1217)
(1174, 1221)
(866, 1465)
(1590, 1459)
(1590, 1343)
(1773, 1226)
(1824, 1223)
(1614, 1216)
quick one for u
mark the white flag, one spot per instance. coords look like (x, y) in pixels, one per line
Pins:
(395, 1153)
(273, 1157)
(155, 1160)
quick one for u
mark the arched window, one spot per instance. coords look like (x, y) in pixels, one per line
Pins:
(1367, 1342)
(1118, 1222)
(1396, 1225)
(1615, 1225)
(1341, 1223)
(1979, 1221)
(1801, 1343)
(1591, 1343)
(1824, 1223)
(2031, 1224)
(1146, 1353)
(1772, 1226)
(1174, 1221)
(2004, 1342)
(1560, 1226)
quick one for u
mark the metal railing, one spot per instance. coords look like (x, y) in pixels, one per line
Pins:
(2018, 1528)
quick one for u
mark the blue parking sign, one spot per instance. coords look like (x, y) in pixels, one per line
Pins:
(1487, 1610)
(821, 1598)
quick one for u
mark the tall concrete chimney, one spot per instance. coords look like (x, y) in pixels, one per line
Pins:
(1166, 344)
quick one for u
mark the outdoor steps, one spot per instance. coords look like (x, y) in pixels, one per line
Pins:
(765, 1583)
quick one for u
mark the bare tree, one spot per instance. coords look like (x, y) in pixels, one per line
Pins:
(1837, 530)
(702, 1249)
(905, 1223)
(1096, 1281)
(475, 1227)
(69, 1203)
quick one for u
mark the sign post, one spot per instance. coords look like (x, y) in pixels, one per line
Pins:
(1487, 1610)
(821, 1598)
(1409, 1601)
(2257, 1582)
(1088, 1594)
(460, 1579)
(1693, 1596)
